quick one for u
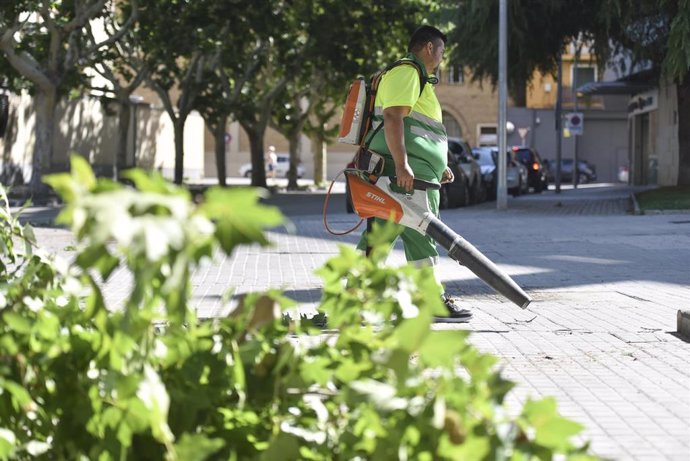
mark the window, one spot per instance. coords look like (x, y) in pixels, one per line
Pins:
(487, 134)
(453, 75)
(583, 75)
(453, 128)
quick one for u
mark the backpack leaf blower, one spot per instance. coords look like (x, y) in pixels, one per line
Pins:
(378, 200)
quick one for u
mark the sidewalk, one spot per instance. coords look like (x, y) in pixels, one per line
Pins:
(599, 335)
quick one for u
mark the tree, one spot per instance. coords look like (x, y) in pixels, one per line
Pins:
(180, 49)
(275, 60)
(656, 32)
(318, 130)
(537, 33)
(328, 65)
(123, 66)
(236, 57)
(44, 42)
(289, 118)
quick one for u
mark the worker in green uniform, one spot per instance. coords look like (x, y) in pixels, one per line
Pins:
(413, 140)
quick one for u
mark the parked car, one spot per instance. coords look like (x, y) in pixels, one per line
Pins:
(536, 173)
(586, 171)
(487, 165)
(516, 173)
(282, 166)
(463, 155)
(456, 193)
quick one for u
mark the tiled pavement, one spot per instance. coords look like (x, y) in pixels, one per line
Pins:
(599, 335)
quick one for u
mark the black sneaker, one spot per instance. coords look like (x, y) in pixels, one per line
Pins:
(456, 314)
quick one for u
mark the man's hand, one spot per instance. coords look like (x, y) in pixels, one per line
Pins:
(448, 176)
(405, 176)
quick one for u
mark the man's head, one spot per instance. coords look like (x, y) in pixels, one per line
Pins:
(428, 44)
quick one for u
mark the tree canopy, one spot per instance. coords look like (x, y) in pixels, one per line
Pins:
(657, 32)
(47, 43)
(653, 32)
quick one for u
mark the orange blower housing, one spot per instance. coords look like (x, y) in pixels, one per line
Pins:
(370, 201)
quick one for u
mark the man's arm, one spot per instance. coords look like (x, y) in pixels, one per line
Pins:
(394, 130)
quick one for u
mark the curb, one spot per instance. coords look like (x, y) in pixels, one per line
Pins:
(684, 323)
(680, 211)
(635, 205)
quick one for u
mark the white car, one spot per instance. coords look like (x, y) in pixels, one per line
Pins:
(282, 167)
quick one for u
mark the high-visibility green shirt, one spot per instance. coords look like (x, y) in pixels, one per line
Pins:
(426, 140)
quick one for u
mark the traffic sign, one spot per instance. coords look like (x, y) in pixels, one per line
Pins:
(574, 122)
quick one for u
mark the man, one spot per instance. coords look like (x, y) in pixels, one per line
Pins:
(413, 140)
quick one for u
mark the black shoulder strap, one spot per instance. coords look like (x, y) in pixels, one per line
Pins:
(423, 79)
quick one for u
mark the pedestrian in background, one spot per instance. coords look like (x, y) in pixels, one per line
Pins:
(271, 159)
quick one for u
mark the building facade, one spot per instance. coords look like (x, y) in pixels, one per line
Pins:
(604, 140)
(89, 127)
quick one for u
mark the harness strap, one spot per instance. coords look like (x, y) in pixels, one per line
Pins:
(423, 80)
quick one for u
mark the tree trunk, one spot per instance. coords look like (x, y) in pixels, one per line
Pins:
(683, 90)
(295, 144)
(46, 100)
(219, 134)
(256, 145)
(122, 137)
(318, 146)
(178, 124)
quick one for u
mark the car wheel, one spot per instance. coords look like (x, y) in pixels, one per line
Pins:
(465, 200)
(481, 195)
(518, 190)
(248, 174)
(476, 195)
(583, 179)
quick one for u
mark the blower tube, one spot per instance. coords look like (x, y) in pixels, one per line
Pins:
(466, 254)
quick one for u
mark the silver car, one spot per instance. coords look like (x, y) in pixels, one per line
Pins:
(516, 173)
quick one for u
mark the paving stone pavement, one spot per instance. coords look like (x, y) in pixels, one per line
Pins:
(599, 335)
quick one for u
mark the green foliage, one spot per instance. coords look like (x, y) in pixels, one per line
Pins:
(81, 379)
(537, 32)
(665, 198)
(649, 31)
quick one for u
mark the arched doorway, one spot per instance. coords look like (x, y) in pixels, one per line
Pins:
(452, 126)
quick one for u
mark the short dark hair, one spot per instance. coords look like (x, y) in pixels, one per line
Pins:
(424, 35)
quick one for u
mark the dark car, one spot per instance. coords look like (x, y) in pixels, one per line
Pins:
(536, 172)
(456, 193)
(586, 171)
(463, 155)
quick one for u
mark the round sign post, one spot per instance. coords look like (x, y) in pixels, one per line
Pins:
(575, 123)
